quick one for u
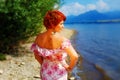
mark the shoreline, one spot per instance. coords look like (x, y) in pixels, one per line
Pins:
(89, 70)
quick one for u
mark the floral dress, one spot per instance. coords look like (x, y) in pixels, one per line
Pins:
(53, 64)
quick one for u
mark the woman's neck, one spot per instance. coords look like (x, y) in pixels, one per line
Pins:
(50, 31)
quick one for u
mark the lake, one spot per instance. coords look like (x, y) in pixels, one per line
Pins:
(100, 45)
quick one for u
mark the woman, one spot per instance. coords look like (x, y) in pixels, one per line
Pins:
(51, 49)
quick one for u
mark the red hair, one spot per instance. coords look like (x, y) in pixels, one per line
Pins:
(53, 18)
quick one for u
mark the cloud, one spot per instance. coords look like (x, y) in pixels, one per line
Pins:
(90, 7)
(76, 8)
(73, 9)
(101, 6)
(114, 4)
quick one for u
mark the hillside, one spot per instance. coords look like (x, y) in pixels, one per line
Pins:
(95, 16)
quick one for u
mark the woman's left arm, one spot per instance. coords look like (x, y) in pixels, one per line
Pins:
(73, 57)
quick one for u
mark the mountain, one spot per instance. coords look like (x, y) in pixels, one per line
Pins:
(94, 16)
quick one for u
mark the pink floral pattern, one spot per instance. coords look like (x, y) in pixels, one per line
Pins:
(54, 61)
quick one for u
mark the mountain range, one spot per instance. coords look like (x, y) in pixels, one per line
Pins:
(95, 17)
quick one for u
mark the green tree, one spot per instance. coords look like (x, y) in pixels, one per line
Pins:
(20, 19)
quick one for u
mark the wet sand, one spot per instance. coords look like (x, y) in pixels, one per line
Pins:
(90, 71)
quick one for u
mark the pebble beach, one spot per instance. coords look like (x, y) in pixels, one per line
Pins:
(24, 66)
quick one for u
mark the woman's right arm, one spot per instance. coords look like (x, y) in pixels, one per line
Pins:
(38, 58)
(34, 49)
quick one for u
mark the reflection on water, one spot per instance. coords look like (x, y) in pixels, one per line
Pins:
(99, 44)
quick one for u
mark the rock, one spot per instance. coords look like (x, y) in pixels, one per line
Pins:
(25, 79)
(72, 78)
(37, 76)
(8, 57)
(1, 72)
(22, 63)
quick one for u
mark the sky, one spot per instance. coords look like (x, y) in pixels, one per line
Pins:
(77, 7)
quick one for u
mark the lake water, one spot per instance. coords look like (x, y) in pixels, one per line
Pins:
(100, 45)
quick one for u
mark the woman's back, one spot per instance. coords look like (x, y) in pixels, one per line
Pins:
(49, 41)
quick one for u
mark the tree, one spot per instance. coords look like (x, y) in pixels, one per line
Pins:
(20, 19)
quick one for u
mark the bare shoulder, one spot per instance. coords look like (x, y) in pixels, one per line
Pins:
(39, 37)
(52, 41)
(59, 37)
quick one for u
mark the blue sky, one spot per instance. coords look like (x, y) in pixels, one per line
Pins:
(76, 7)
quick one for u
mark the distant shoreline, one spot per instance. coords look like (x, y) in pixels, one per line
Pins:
(96, 22)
